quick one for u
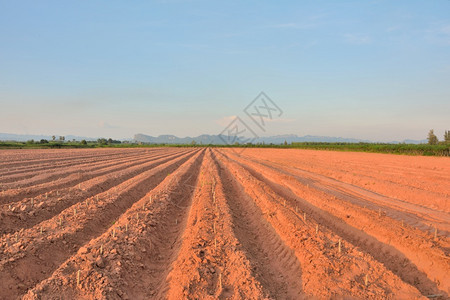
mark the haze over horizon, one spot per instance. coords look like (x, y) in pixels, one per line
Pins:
(375, 70)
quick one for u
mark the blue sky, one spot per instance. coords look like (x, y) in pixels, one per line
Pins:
(376, 70)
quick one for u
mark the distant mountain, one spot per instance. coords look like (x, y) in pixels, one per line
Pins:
(205, 139)
(277, 139)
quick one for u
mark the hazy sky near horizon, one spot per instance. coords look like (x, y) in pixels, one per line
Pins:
(376, 70)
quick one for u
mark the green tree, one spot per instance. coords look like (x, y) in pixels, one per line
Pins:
(432, 138)
(53, 138)
(447, 137)
(285, 142)
(83, 142)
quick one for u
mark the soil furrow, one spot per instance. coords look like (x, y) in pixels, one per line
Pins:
(48, 205)
(393, 258)
(340, 273)
(210, 263)
(415, 215)
(261, 242)
(30, 175)
(135, 262)
(22, 162)
(53, 173)
(30, 261)
(74, 179)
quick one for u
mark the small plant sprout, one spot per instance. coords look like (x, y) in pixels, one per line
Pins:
(97, 197)
(60, 221)
(32, 202)
(176, 221)
(304, 217)
(435, 233)
(126, 227)
(339, 246)
(150, 198)
(317, 228)
(366, 280)
(101, 249)
(42, 230)
(17, 236)
(78, 278)
(114, 232)
(74, 211)
(137, 216)
(46, 195)
(9, 207)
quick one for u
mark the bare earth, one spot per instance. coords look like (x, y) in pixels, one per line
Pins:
(196, 223)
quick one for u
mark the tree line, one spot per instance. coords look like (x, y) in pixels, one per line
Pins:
(433, 139)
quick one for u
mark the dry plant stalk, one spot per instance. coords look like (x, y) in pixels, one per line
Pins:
(78, 278)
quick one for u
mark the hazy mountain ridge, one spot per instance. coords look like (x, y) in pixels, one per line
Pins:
(277, 139)
(203, 139)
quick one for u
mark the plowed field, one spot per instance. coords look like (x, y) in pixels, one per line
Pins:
(196, 223)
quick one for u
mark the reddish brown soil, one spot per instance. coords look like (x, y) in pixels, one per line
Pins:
(207, 223)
